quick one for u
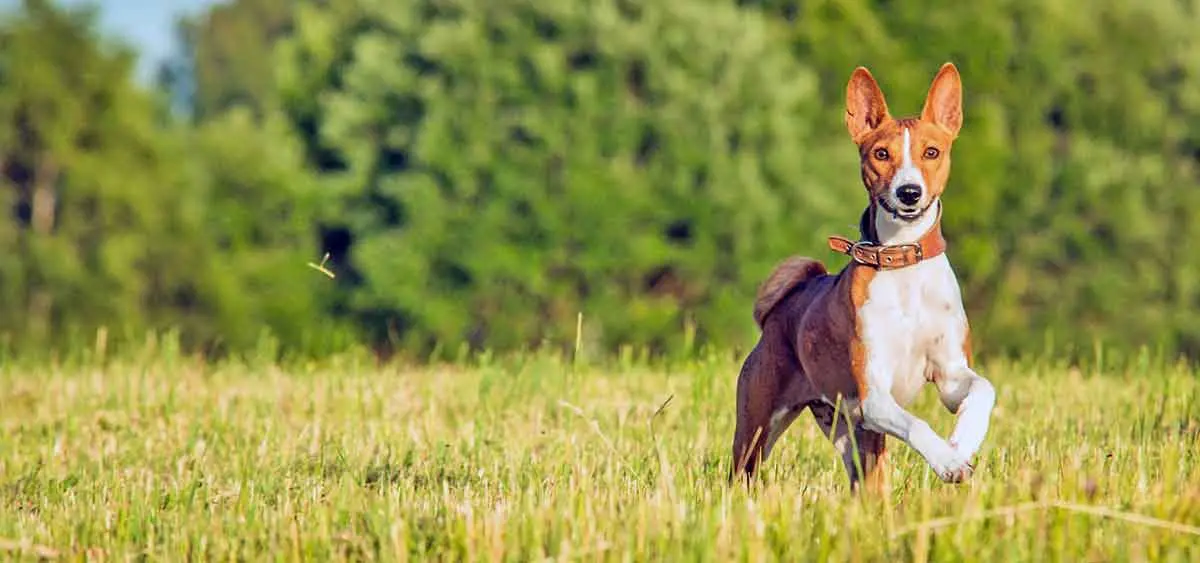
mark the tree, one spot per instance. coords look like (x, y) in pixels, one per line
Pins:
(226, 57)
(255, 225)
(484, 171)
(84, 177)
(505, 165)
(124, 219)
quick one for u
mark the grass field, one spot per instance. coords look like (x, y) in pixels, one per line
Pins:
(530, 459)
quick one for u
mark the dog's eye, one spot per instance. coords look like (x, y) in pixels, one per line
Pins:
(932, 153)
(881, 154)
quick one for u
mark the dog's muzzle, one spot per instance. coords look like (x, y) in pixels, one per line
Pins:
(903, 215)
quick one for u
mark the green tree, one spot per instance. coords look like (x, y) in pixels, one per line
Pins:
(226, 57)
(122, 218)
(482, 171)
(256, 231)
(84, 177)
(505, 165)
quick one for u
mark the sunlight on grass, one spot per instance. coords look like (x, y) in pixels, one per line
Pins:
(531, 459)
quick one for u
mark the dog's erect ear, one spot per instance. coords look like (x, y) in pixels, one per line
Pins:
(865, 106)
(943, 104)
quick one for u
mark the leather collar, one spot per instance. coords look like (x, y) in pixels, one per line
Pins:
(894, 256)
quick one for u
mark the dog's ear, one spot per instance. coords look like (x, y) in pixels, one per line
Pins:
(943, 104)
(865, 107)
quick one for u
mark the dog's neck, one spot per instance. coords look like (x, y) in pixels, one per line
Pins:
(878, 226)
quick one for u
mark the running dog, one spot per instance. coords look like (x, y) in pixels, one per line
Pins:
(856, 347)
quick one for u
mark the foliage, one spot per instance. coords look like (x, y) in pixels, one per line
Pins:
(122, 223)
(482, 172)
(227, 59)
(509, 164)
(89, 185)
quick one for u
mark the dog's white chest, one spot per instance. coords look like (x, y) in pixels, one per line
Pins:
(912, 323)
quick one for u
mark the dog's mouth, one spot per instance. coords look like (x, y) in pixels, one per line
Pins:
(908, 215)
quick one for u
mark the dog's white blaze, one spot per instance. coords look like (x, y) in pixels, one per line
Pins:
(913, 327)
(908, 172)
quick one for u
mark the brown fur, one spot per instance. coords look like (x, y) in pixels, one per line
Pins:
(811, 349)
(809, 346)
(787, 277)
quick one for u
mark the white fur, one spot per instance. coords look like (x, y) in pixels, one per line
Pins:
(780, 420)
(913, 328)
(907, 174)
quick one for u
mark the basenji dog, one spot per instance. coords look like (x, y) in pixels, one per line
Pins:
(855, 347)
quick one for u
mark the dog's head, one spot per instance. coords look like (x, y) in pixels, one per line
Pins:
(905, 161)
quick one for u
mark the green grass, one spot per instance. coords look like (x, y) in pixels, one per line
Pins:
(531, 459)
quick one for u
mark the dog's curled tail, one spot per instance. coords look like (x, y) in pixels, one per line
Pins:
(789, 275)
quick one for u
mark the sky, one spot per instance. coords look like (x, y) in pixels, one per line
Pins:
(148, 25)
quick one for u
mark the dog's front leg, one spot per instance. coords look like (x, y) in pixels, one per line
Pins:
(881, 413)
(971, 397)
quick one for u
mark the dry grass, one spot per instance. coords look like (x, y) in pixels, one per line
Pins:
(533, 459)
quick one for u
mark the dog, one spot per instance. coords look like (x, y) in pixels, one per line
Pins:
(855, 348)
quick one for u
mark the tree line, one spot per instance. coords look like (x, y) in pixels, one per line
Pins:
(482, 173)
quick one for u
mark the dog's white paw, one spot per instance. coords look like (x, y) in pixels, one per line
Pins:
(951, 465)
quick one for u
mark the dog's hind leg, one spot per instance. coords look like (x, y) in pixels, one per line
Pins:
(869, 466)
(771, 393)
(757, 388)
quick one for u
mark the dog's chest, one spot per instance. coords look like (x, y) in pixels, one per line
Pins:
(912, 321)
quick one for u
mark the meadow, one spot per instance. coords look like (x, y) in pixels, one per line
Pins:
(165, 458)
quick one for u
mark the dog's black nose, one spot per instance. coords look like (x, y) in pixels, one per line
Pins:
(909, 194)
